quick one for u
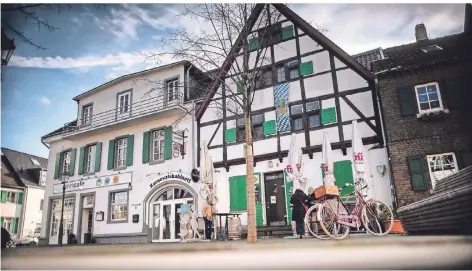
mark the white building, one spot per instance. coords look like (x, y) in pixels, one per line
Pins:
(326, 89)
(23, 181)
(126, 176)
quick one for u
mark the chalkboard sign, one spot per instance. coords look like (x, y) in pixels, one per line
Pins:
(136, 218)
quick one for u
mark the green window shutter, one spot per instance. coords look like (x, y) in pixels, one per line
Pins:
(57, 166)
(98, 156)
(254, 43)
(453, 91)
(416, 170)
(259, 218)
(1, 222)
(230, 135)
(4, 196)
(71, 169)
(407, 100)
(111, 154)
(81, 160)
(287, 32)
(306, 68)
(19, 199)
(239, 86)
(146, 147)
(328, 115)
(129, 150)
(242, 200)
(168, 143)
(237, 193)
(15, 225)
(269, 127)
(343, 175)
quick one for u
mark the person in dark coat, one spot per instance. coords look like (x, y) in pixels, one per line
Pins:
(299, 200)
(6, 237)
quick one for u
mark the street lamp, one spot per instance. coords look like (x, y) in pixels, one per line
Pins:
(8, 46)
(64, 178)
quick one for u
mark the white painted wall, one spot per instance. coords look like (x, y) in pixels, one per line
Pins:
(33, 212)
(11, 209)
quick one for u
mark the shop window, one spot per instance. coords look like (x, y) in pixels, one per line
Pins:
(119, 206)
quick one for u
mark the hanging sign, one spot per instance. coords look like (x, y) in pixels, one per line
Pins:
(94, 182)
(171, 176)
(281, 107)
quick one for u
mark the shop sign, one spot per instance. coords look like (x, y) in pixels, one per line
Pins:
(94, 182)
(171, 176)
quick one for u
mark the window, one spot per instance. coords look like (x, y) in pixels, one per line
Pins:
(428, 97)
(297, 117)
(157, 151)
(292, 68)
(41, 204)
(119, 206)
(124, 102)
(121, 152)
(65, 162)
(90, 158)
(313, 112)
(264, 78)
(8, 224)
(172, 89)
(35, 162)
(257, 130)
(241, 131)
(441, 166)
(280, 74)
(11, 197)
(87, 115)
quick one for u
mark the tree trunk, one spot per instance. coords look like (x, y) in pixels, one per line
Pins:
(251, 199)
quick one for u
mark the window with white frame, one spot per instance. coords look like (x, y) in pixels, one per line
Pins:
(440, 166)
(157, 151)
(280, 74)
(35, 162)
(65, 162)
(119, 206)
(87, 114)
(428, 97)
(11, 197)
(124, 102)
(121, 152)
(90, 158)
(8, 224)
(172, 89)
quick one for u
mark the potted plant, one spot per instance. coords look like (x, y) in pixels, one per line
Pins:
(397, 224)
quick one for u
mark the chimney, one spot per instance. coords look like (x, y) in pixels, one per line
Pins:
(420, 32)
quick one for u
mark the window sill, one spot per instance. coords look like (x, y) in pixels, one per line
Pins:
(432, 114)
(117, 221)
(156, 162)
(88, 174)
(119, 168)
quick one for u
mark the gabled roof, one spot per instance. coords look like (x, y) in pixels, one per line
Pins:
(416, 54)
(8, 177)
(298, 22)
(24, 166)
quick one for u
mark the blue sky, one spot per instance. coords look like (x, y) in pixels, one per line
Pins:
(93, 46)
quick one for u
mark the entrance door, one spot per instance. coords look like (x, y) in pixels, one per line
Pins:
(166, 220)
(275, 199)
(56, 217)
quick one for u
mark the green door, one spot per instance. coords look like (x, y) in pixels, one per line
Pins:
(343, 175)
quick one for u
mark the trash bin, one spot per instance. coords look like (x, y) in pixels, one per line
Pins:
(87, 238)
(71, 239)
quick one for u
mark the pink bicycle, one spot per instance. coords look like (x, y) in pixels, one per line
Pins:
(336, 219)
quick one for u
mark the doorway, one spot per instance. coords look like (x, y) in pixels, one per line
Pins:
(275, 198)
(69, 204)
(165, 214)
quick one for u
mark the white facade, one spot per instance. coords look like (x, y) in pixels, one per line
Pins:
(89, 196)
(333, 85)
(33, 210)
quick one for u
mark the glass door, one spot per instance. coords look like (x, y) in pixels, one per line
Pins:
(167, 221)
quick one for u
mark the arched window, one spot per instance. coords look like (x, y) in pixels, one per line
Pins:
(174, 193)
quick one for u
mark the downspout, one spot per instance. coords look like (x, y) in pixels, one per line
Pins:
(23, 213)
(193, 116)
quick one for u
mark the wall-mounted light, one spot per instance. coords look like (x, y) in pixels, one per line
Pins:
(130, 187)
(381, 169)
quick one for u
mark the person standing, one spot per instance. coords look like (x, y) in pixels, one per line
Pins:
(208, 211)
(299, 202)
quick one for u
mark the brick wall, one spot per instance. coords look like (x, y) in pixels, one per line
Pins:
(408, 135)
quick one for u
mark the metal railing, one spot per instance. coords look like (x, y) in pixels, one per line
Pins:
(129, 112)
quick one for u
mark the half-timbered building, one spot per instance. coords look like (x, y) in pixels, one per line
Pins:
(326, 90)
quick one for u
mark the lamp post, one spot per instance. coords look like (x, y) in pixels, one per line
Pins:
(8, 46)
(64, 177)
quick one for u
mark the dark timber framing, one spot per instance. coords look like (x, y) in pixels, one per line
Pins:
(326, 45)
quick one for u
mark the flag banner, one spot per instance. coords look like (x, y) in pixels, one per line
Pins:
(281, 107)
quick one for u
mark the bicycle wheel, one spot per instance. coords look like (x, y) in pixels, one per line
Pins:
(327, 215)
(313, 224)
(374, 216)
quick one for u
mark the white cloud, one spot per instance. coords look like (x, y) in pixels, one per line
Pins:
(45, 100)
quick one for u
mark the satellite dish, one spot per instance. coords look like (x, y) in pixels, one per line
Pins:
(195, 175)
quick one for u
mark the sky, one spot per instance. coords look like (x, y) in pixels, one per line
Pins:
(93, 45)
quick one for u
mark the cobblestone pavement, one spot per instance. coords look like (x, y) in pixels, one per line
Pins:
(357, 252)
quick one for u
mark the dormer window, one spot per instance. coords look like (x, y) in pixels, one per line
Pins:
(173, 89)
(87, 114)
(35, 162)
(124, 101)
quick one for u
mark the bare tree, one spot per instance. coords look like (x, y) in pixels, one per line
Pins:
(12, 12)
(234, 55)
